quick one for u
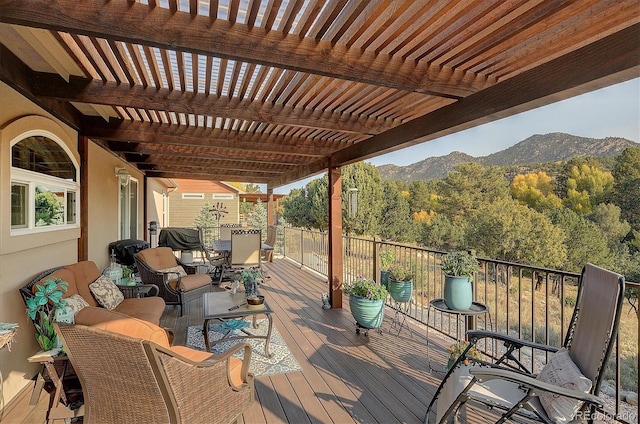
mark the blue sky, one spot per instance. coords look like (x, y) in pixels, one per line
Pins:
(610, 112)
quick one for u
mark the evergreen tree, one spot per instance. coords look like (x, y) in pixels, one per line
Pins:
(396, 223)
(366, 178)
(626, 188)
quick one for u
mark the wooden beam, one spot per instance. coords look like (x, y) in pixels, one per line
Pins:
(270, 206)
(20, 77)
(335, 237)
(159, 27)
(85, 90)
(83, 241)
(177, 135)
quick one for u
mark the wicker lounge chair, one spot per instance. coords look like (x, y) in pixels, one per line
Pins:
(127, 379)
(158, 266)
(567, 387)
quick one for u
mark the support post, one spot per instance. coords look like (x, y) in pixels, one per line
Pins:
(335, 237)
(270, 206)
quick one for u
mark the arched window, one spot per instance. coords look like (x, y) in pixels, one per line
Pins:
(44, 185)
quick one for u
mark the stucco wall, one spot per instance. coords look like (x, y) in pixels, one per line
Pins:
(25, 256)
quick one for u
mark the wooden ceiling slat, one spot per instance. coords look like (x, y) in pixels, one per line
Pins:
(270, 81)
(310, 12)
(283, 82)
(234, 6)
(213, 10)
(252, 14)
(222, 70)
(152, 62)
(181, 71)
(193, 7)
(289, 16)
(74, 51)
(353, 33)
(208, 71)
(391, 22)
(351, 13)
(166, 65)
(91, 59)
(104, 51)
(234, 78)
(295, 86)
(248, 74)
(173, 6)
(136, 59)
(328, 16)
(125, 66)
(271, 13)
(195, 76)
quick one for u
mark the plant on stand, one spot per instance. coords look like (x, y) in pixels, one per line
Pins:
(42, 307)
(459, 269)
(366, 301)
(401, 282)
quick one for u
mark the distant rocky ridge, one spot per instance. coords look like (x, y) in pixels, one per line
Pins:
(535, 149)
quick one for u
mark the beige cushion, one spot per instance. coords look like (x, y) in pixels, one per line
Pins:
(76, 303)
(106, 293)
(179, 269)
(562, 371)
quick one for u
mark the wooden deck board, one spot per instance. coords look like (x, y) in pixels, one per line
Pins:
(346, 377)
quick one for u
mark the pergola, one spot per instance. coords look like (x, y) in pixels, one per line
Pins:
(273, 91)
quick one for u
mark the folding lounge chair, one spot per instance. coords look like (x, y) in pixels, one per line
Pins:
(562, 391)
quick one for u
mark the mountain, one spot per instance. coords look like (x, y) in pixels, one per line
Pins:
(535, 149)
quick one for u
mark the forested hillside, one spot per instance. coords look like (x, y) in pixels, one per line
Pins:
(558, 215)
(539, 148)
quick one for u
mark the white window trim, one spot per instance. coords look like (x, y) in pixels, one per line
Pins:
(32, 179)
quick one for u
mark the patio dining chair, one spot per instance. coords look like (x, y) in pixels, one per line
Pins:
(567, 387)
(245, 251)
(225, 230)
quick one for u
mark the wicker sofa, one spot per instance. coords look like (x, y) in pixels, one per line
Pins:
(79, 276)
(130, 373)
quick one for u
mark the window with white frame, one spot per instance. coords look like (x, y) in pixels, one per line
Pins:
(44, 185)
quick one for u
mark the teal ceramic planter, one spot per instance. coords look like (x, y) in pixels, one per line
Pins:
(458, 293)
(368, 313)
(384, 279)
(400, 291)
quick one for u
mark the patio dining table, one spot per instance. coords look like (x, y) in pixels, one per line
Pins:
(223, 246)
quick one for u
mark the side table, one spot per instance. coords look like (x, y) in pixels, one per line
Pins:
(476, 309)
(59, 408)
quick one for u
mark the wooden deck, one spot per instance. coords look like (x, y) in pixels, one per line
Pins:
(346, 377)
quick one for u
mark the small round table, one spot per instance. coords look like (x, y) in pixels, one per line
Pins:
(476, 309)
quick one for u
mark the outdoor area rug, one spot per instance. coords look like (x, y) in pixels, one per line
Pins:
(282, 360)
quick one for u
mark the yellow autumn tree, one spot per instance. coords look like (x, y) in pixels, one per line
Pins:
(535, 189)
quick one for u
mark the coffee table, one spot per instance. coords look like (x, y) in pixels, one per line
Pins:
(223, 306)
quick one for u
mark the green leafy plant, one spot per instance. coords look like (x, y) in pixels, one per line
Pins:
(386, 259)
(41, 308)
(249, 275)
(126, 272)
(456, 349)
(366, 288)
(459, 264)
(399, 272)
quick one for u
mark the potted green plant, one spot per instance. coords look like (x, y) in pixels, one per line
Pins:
(401, 282)
(42, 307)
(249, 278)
(386, 260)
(459, 269)
(366, 301)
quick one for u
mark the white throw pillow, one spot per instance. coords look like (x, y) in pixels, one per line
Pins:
(76, 303)
(562, 371)
(107, 294)
(177, 269)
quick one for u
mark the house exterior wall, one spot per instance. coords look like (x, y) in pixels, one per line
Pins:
(22, 257)
(184, 209)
